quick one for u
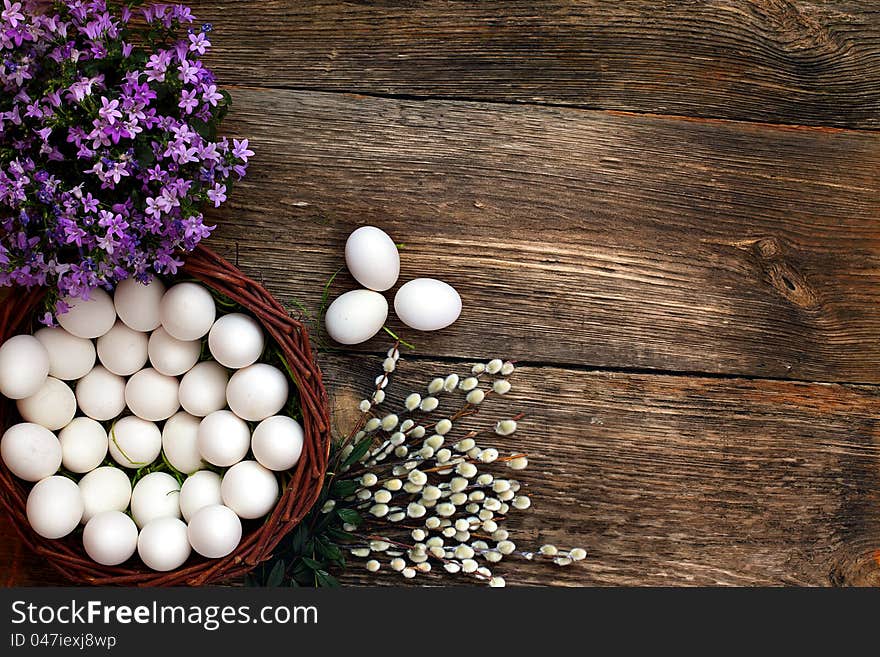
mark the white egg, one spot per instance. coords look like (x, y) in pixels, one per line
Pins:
(236, 340)
(257, 392)
(171, 356)
(138, 305)
(372, 258)
(277, 442)
(101, 394)
(104, 489)
(163, 544)
(135, 442)
(70, 357)
(122, 350)
(89, 319)
(54, 507)
(180, 442)
(24, 366)
(199, 490)
(249, 489)
(214, 531)
(52, 406)
(427, 304)
(156, 495)
(356, 316)
(223, 438)
(203, 389)
(84, 445)
(110, 538)
(151, 395)
(31, 452)
(187, 311)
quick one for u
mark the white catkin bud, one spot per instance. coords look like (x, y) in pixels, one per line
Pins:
(501, 386)
(477, 496)
(424, 567)
(417, 432)
(475, 397)
(505, 509)
(389, 422)
(418, 557)
(443, 427)
(469, 383)
(443, 455)
(426, 452)
(478, 369)
(485, 479)
(382, 497)
(480, 545)
(549, 550)
(489, 455)
(348, 527)
(364, 494)
(397, 439)
(437, 552)
(389, 365)
(519, 463)
(393, 485)
(364, 406)
(458, 498)
(514, 485)
(506, 496)
(434, 541)
(379, 510)
(432, 523)
(429, 404)
(485, 572)
(578, 554)
(397, 564)
(485, 515)
(411, 488)
(401, 451)
(369, 479)
(505, 427)
(329, 505)
(494, 366)
(462, 537)
(474, 453)
(462, 525)
(469, 566)
(415, 510)
(473, 507)
(412, 401)
(500, 485)
(500, 535)
(373, 566)
(451, 382)
(452, 568)
(467, 470)
(507, 369)
(379, 546)
(464, 552)
(493, 557)
(418, 534)
(445, 509)
(361, 552)
(506, 547)
(382, 381)
(563, 561)
(497, 583)
(458, 484)
(408, 423)
(434, 442)
(521, 502)
(492, 504)
(417, 477)
(399, 470)
(431, 493)
(465, 445)
(378, 397)
(449, 532)
(397, 516)
(435, 386)
(372, 424)
(394, 353)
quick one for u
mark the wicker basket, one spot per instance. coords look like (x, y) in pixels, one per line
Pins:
(68, 556)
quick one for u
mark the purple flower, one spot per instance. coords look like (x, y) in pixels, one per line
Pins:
(217, 195)
(109, 110)
(188, 101)
(12, 13)
(199, 43)
(240, 150)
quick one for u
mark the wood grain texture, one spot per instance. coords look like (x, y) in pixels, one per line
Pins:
(759, 60)
(579, 237)
(666, 480)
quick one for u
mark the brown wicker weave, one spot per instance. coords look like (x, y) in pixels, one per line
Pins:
(68, 556)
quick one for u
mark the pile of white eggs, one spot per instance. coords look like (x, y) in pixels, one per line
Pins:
(124, 377)
(425, 304)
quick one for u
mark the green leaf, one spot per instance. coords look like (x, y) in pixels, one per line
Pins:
(276, 575)
(350, 516)
(312, 564)
(339, 534)
(358, 452)
(325, 579)
(342, 488)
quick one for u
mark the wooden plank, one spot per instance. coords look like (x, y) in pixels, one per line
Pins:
(667, 480)
(807, 62)
(579, 237)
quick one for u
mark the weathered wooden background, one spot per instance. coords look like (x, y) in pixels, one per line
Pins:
(668, 212)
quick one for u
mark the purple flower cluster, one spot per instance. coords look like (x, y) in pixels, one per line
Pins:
(108, 146)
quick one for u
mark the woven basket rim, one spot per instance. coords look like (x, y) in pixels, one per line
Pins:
(68, 556)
